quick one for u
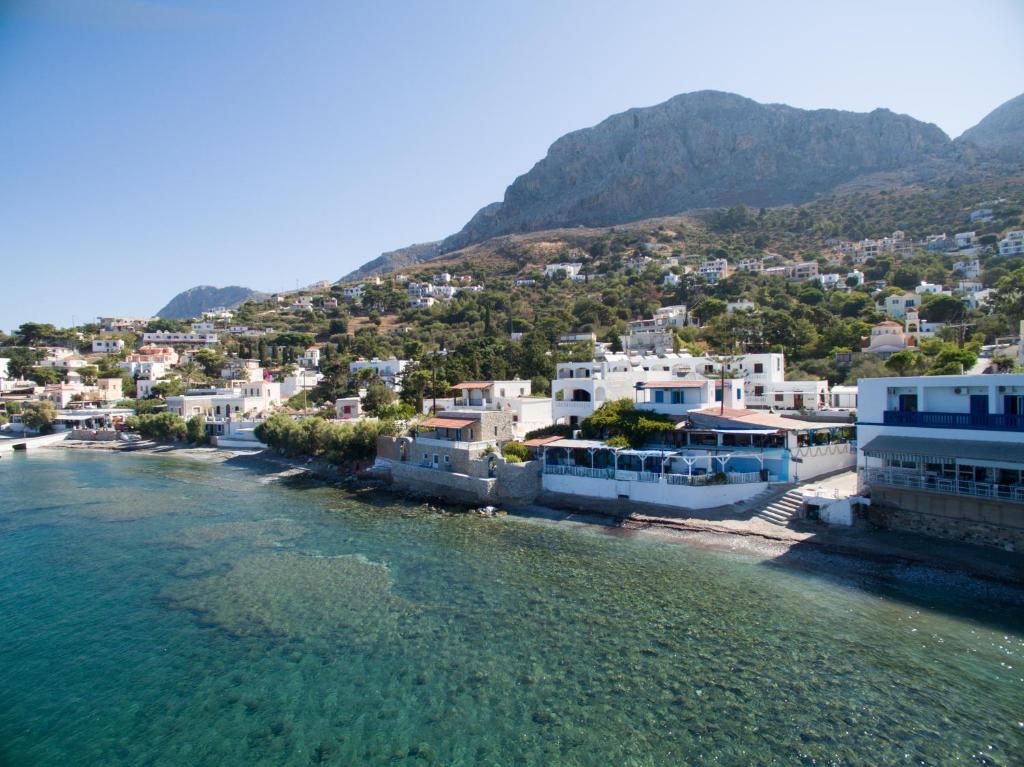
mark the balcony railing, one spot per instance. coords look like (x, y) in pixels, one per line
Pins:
(915, 481)
(987, 421)
(732, 478)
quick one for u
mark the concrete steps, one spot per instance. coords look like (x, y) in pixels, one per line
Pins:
(782, 510)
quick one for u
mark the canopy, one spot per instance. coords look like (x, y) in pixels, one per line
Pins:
(887, 445)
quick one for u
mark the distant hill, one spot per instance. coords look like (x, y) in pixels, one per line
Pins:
(1002, 130)
(394, 260)
(194, 301)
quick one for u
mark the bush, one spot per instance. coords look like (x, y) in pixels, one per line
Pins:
(165, 427)
(620, 418)
(196, 430)
(317, 438)
(515, 452)
(39, 416)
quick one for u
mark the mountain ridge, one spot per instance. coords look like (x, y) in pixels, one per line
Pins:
(202, 298)
(709, 149)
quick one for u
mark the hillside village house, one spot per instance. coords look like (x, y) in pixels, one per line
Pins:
(579, 388)
(252, 399)
(347, 408)
(310, 358)
(1012, 244)
(107, 345)
(123, 324)
(968, 267)
(714, 269)
(167, 338)
(389, 371)
(299, 380)
(843, 397)
(897, 305)
(243, 370)
(570, 270)
(528, 413)
(942, 455)
(457, 435)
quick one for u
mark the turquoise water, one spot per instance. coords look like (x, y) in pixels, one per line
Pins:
(165, 611)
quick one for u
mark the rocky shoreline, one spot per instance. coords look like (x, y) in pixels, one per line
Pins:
(813, 546)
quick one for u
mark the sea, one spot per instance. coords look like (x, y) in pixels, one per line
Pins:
(162, 610)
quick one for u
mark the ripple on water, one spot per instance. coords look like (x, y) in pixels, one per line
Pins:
(298, 596)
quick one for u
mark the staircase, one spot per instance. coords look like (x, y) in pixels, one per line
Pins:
(783, 509)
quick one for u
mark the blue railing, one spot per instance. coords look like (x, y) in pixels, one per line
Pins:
(989, 421)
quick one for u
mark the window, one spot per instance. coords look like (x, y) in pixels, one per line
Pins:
(659, 395)
(447, 459)
(758, 367)
(778, 398)
(758, 391)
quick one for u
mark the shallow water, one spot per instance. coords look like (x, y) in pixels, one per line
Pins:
(159, 610)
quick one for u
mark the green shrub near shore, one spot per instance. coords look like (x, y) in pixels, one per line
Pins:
(166, 427)
(318, 438)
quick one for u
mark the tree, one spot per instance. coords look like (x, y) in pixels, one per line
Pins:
(515, 452)
(39, 416)
(942, 308)
(188, 371)
(166, 427)
(378, 396)
(196, 430)
(22, 360)
(902, 363)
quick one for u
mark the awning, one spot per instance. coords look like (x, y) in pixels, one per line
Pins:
(584, 444)
(885, 445)
(446, 423)
(540, 441)
(670, 385)
(743, 431)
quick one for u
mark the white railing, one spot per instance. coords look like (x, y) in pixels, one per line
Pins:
(732, 478)
(894, 478)
(580, 471)
(837, 448)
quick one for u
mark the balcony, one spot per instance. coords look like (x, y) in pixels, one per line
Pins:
(915, 481)
(932, 420)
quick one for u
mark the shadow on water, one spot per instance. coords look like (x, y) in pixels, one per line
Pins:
(971, 582)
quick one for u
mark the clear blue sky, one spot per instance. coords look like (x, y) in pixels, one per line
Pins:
(147, 146)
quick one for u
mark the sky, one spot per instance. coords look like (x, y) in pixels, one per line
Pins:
(148, 146)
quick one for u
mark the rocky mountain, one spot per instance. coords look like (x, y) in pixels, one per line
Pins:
(394, 260)
(1002, 130)
(706, 149)
(194, 301)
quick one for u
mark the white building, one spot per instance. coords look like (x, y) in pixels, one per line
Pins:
(1012, 244)
(107, 345)
(570, 270)
(897, 305)
(310, 358)
(928, 289)
(944, 454)
(353, 292)
(203, 327)
(843, 397)
(714, 269)
(256, 398)
(528, 413)
(740, 305)
(299, 380)
(347, 408)
(176, 339)
(390, 370)
(963, 240)
(968, 267)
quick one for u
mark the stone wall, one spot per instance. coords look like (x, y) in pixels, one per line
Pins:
(518, 483)
(972, 520)
(434, 483)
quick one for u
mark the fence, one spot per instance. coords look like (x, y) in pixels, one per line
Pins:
(1012, 493)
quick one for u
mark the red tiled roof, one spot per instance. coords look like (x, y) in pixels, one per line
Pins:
(540, 441)
(473, 385)
(446, 423)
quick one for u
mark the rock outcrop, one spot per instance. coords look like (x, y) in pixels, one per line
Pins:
(706, 149)
(1002, 130)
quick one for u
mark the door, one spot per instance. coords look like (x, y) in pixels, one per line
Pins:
(798, 401)
(979, 409)
(437, 463)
